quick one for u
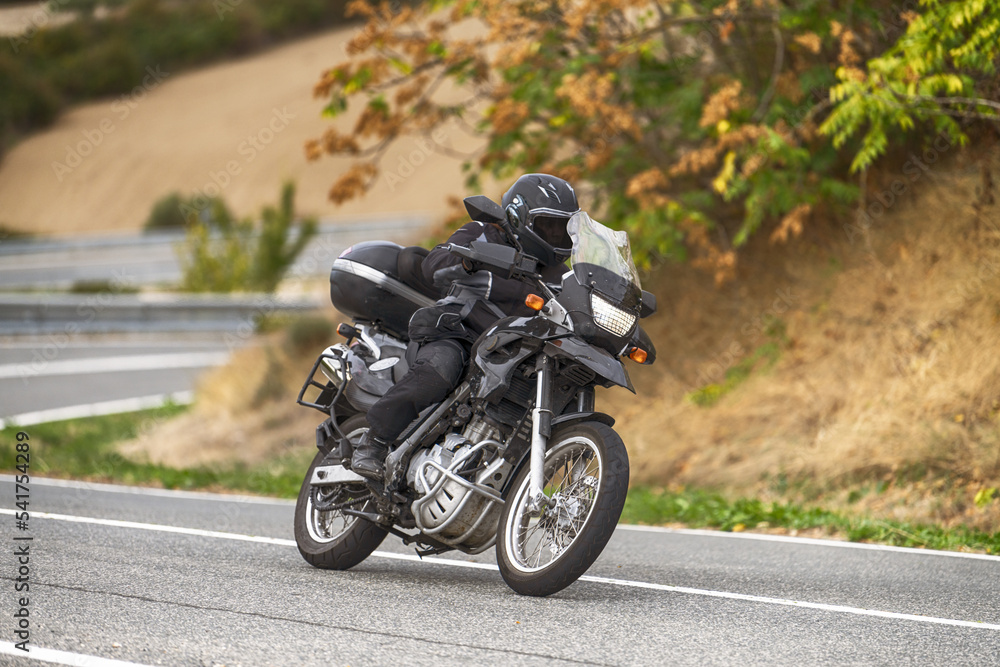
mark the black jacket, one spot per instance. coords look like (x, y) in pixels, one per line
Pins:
(507, 296)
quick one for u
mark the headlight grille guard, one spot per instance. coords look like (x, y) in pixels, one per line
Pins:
(610, 317)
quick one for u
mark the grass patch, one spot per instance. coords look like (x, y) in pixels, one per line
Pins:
(706, 509)
(764, 357)
(736, 375)
(85, 449)
(102, 286)
(11, 234)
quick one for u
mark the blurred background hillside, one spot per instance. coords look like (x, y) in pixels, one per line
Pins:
(90, 139)
(809, 187)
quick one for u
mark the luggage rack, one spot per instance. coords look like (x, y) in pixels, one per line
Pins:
(327, 396)
(326, 390)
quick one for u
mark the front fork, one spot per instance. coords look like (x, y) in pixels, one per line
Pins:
(541, 429)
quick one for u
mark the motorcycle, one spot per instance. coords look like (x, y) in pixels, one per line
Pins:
(516, 457)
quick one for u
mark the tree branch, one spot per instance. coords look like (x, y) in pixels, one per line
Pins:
(815, 109)
(956, 113)
(694, 20)
(664, 17)
(974, 101)
(451, 152)
(779, 61)
(468, 104)
(391, 83)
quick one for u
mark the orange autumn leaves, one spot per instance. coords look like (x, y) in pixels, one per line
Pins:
(664, 109)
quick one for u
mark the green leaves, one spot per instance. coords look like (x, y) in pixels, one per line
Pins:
(985, 496)
(401, 65)
(940, 66)
(337, 106)
(436, 48)
(358, 81)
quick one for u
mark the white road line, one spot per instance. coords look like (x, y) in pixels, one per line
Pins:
(159, 528)
(839, 609)
(836, 608)
(138, 362)
(788, 539)
(97, 409)
(151, 491)
(39, 341)
(763, 537)
(64, 657)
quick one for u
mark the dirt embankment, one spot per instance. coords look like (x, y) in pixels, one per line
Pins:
(886, 393)
(237, 128)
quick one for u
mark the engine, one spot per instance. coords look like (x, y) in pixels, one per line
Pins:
(459, 481)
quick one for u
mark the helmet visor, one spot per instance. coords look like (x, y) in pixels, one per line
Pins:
(552, 230)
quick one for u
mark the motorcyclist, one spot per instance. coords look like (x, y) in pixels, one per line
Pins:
(538, 206)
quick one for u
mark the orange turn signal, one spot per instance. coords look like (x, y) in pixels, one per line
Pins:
(534, 302)
(638, 355)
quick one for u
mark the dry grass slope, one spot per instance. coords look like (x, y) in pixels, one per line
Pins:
(888, 385)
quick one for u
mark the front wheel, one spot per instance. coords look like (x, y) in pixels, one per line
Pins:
(586, 479)
(328, 538)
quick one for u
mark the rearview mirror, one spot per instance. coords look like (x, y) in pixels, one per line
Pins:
(483, 209)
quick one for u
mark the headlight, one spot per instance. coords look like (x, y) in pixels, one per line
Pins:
(611, 317)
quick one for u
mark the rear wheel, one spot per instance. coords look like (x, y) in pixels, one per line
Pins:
(586, 479)
(330, 539)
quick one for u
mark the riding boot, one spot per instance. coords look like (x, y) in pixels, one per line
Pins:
(369, 457)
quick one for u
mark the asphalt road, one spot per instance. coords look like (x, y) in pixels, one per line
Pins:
(46, 378)
(166, 589)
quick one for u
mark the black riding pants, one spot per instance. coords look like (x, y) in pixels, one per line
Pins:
(435, 373)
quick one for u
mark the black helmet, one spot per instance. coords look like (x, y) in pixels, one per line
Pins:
(538, 206)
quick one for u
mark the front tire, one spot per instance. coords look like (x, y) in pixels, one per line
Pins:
(586, 480)
(332, 540)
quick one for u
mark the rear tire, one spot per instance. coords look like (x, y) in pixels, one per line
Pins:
(331, 540)
(586, 476)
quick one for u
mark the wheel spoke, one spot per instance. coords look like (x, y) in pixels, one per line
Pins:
(540, 525)
(527, 535)
(328, 525)
(537, 552)
(571, 478)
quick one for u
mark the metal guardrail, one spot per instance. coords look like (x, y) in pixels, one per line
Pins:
(148, 258)
(113, 313)
(152, 259)
(82, 242)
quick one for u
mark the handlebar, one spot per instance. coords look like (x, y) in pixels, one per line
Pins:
(501, 260)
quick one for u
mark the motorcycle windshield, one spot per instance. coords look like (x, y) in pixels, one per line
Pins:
(595, 245)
